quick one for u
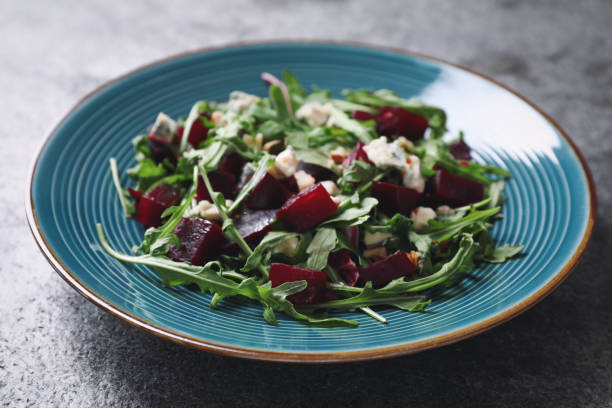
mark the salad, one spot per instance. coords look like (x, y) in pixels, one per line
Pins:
(309, 204)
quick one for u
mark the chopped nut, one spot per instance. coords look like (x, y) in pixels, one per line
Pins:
(258, 141)
(414, 256)
(248, 139)
(303, 179)
(216, 117)
(375, 254)
(269, 145)
(445, 210)
(338, 154)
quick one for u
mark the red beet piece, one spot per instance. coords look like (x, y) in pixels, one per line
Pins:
(198, 132)
(455, 190)
(136, 194)
(268, 193)
(221, 181)
(393, 198)
(252, 225)
(396, 121)
(341, 261)
(152, 204)
(356, 154)
(200, 240)
(460, 150)
(314, 292)
(320, 173)
(392, 267)
(361, 115)
(307, 209)
(160, 151)
(232, 163)
(352, 234)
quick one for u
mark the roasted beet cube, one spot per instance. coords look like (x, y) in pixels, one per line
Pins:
(314, 292)
(160, 150)
(200, 239)
(341, 261)
(232, 163)
(152, 204)
(393, 198)
(221, 181)
(135, 194)
(268, 193)
(392, 267)
(361, 115)
(396, 121)
(252, 225)
(307, 209)
(460, 150)
(356, 154)
(454, 190)
(198, 132)
(320, 173)
(352, 235)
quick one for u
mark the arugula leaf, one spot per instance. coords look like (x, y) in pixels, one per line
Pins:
(352, 215)
(146, 172)
(441, 231)
(278, 101)
(502, 253)
(323, 242)
(258, 257)
(262, 168)
(341, 120)
(124, 197)
(358, 173)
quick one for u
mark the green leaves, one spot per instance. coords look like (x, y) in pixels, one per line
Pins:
(502, 253)
(323, 242)
(260, 255)
(262, 168)
(124, 196)
(441, 231)
(341, 120)
(194, 114)
(352, 215)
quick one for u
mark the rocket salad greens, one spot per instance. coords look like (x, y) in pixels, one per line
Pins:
(310, 204)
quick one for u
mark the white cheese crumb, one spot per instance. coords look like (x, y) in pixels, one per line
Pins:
(217, 118)
(445, 210)
(331, 187)
(286, 162)
(386, 155)
(241, 101)
(303, 179)
(314, 113)
(207, 210)
(421, 216)
(164, 127)
(287, 247)
(371, 239)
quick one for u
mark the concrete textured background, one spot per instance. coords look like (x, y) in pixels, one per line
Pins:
(57, 349)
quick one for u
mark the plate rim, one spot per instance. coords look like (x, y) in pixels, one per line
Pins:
(306, 357)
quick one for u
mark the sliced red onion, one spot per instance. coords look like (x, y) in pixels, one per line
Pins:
(272, 80)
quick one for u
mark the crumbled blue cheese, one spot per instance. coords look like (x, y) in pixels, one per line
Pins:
(372, 239)
(164, 127)
(205, 209)
(286, 163)
(391, 155)
(303, 179)
(287, 247)
(420, 216)
(445, 210)
(240, 101)
(314, 113)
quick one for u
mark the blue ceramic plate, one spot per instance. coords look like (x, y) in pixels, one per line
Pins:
(550, 207)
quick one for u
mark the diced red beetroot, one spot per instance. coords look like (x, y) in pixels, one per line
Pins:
(356, 154)
(201, 241)
(392, 267)
(268, 193)
(179, 135)
(290, 184)
(198, 132)
(152, 204)
(341, 261)
(455, 190)
(314, 292)
(307, 209)
(352, 234)
(460, 150)
(393, 198)
(361, 115)
(221, 181)
(160, 151)
(232, 163)
(136, 194)
(396, 121)
(320, 173)
(252, 225)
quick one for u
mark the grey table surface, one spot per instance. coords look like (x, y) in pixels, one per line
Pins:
(57, 349)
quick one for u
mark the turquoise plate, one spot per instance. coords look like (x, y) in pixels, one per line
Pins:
(550, 208)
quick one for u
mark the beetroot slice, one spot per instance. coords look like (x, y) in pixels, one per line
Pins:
(252, 225)
(268, 193)
(135, 194)
(395, 199)
(455, 190)
(221, 181)
(160, 151)
(460, 150)
(232, 163)
(356, 154)
(307, 209)
(314, 292)
(396, 121)
(341, 261)
(361, 115)
(320, 173)
(352, 235)
(200, 240)
(152, 204)
(392, 267)
(198, 132)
